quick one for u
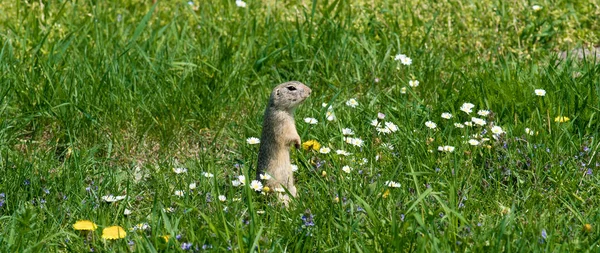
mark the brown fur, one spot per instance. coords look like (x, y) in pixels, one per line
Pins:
(278, 135)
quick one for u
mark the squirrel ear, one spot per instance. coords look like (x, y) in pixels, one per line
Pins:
(277, 92)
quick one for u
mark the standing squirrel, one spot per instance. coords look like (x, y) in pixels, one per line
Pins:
(278, 135)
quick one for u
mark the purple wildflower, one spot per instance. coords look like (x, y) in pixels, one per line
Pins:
(544, 234)
(308, 219)
(186, 246)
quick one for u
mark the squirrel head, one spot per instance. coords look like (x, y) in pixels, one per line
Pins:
(287, 96)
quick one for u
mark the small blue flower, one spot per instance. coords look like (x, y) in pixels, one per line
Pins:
(186, 246)
(308, 220)
(544, 234)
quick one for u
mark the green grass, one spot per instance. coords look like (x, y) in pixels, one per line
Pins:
(107, 97)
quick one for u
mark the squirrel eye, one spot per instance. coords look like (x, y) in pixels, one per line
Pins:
(291, 88)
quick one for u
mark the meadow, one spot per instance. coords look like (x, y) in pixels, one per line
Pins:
(433, 126)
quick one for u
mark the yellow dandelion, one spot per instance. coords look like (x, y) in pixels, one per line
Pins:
(561, 119)
(386, 194)
(587, 228)
(324, 173)
(266, 189)
(85, 225)
(113, 233)
(311, 144)
(166, 237)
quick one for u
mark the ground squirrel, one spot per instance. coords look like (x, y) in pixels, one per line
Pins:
(278, 134)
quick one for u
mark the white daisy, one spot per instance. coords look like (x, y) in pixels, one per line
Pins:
(354, 141)
(430, 124)
(483, 113)
(179, 170)
(413, 83)
(111, 198)
(467, 107)
(256, 185)
(179, 193)
(192, 186)
(374, 122)
(446, 115)
(380, 115)
(311, 121)
(478, 121)
(540, 92)
(343, 152)
(446, 149)
(529, 131)
(253, 140)
(403, 90)
(459, 125)
(294, 168)
(208, 175)
(352, 103)
(391, 126)
(383, 130)
(473, 142)
(240, 3)
(347, 131)
(406, 61)
(222, 198)
(265, 176)
(399, 57)
(497, 130)
(324, 150)
(347, 169)
(392, 184)
(388, 146)
(536, 7)
(329, 115)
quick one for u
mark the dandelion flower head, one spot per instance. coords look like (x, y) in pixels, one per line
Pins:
(113, 233)
(86, 225)
(311, 144)
(561, 119)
